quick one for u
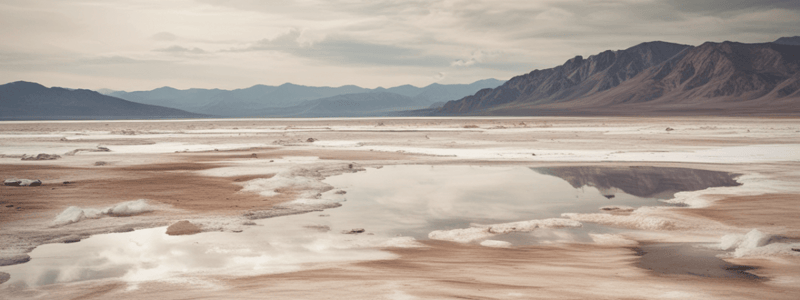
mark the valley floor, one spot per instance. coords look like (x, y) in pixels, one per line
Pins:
(225, 175)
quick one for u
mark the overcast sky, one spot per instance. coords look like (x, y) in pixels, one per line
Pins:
(144, 44)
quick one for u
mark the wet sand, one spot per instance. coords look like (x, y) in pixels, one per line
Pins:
(195, 185)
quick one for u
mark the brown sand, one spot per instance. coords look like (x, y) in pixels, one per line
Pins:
(772, 211)
(164, 183)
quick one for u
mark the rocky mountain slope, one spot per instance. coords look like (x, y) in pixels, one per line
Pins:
(32, 101)
(654, 77)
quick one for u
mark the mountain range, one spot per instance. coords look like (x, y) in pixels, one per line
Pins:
(727, 78)
(32, 101)
(653, 78)
(296, 100)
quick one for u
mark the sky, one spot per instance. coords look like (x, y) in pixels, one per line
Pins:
(229, 44)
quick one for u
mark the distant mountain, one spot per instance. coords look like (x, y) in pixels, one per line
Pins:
(32, 101)
(349, 105)
(260, 99)
(241, 103)
(653, 78)
(106, 92)
(794, 40)
(445, 92)
(190, 100)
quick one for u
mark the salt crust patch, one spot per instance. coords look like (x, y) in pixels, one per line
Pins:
(462, 235)
(752, 184)
(74, 214)
(314, 195)
(738, 154)
(478, 232)
(402, 242)
(171, 147)
(638, 219)
(755, 244)
(611, 240)
(258, 166)
(344, 144)
(617, 208)
(290, 179)
(495, 244)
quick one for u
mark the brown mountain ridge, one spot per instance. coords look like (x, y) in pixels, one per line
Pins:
(725, 78)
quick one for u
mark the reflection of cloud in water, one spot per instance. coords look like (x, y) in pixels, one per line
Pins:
(150, 254)
(415, 200)
(415, 194)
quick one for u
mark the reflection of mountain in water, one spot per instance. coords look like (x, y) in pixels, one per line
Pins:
(645, 182)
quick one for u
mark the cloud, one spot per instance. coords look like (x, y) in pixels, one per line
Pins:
(181, 50)
(340, 49)
(722, 7)
(164, 36)
(475, 58)
(115, 60)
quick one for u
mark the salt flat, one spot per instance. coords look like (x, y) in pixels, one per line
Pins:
(272, 197)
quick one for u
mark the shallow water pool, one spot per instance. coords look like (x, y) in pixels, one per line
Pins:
(395, 206)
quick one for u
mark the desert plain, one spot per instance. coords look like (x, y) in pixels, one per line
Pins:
(252, 190)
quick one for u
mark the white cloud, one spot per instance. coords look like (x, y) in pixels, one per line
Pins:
(181, 50)
(164, 36)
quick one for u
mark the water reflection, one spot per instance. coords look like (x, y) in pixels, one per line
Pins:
(150, 254)
(407, 201)
(645, 182)
(415, 200)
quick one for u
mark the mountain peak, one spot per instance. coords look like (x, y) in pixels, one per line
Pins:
(166, 88)
(489, 80)
(289, 84)
(790, 40)
(20, 84)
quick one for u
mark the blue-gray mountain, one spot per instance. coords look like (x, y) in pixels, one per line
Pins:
(792, 40)
(349, 105)
(726, 78)
(31, 101)
(291, 99)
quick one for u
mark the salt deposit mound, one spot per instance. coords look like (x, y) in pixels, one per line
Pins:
(42, 156)
(637, 220)
(462, 235)
(402, 242)
(755, 244)
(22, 182)
(611, 240)
(495, 244)
(478, 232)
(183, 228)
(269, 187)
(74, 214)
